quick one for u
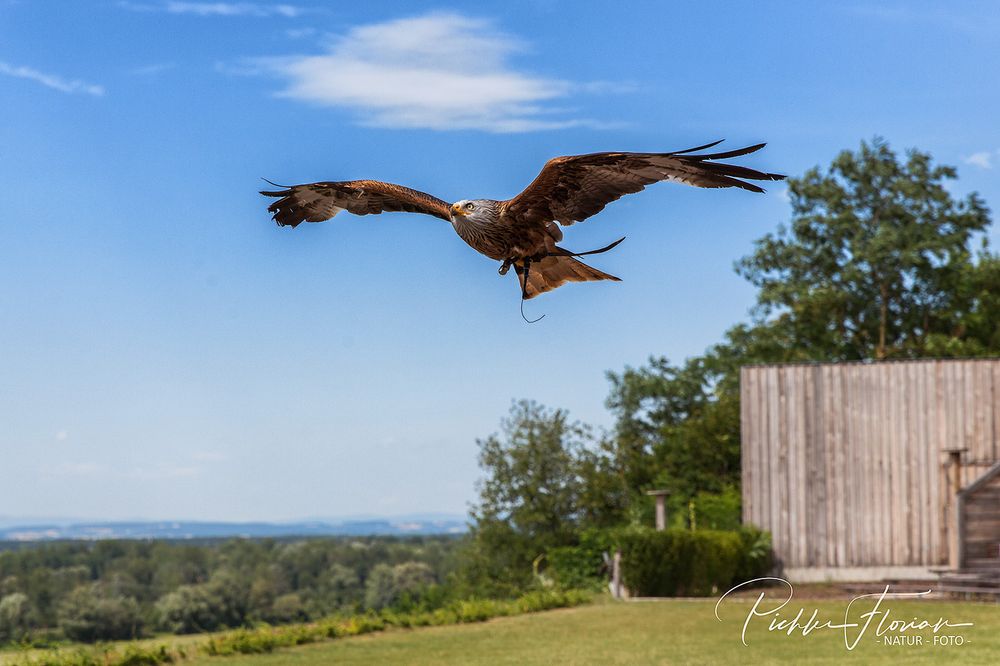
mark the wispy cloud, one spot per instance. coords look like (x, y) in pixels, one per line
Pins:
(441, 71)
(51, 80)
(215, 8)
(983, 159)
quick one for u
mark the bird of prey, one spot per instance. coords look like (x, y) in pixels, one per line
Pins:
(522, 232)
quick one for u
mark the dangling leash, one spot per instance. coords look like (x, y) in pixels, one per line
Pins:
(584, 254)
(538, 257)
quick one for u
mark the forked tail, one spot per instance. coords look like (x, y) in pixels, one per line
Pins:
(554, 271)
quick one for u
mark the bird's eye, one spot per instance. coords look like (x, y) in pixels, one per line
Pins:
(470, 206)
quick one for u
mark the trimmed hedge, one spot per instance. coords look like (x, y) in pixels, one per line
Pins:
(690, 563)
(674, 562)
(678, 562)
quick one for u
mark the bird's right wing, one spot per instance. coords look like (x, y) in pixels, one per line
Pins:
(315, 202)
(573, 188)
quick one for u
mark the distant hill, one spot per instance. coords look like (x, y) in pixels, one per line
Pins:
(39, 531)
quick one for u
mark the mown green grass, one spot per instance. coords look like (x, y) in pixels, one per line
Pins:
(655, 632)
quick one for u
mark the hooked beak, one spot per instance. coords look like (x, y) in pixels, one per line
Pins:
(457, 210)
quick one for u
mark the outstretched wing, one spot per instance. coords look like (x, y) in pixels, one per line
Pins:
(571, 189)
(316, 202)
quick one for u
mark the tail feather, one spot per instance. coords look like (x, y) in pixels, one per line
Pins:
(552, 272)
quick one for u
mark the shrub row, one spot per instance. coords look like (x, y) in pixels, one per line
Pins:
(267, 639)
(132, 654)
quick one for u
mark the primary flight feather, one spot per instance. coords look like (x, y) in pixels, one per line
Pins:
(522, 232)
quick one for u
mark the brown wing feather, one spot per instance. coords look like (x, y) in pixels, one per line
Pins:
(571, 189)
(315, 202)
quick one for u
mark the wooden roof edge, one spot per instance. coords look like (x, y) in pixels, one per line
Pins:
(986, 477)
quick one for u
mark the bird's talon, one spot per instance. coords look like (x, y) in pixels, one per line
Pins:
(504, 267)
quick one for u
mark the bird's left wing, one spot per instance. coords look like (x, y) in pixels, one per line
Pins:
(571, 189)
(315, 202)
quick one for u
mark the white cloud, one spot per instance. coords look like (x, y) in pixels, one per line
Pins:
(983, 160)
(51, 80)
(439, 71)
(216, 8)
(232, 9)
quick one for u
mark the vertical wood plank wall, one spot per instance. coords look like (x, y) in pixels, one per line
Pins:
(843, 463)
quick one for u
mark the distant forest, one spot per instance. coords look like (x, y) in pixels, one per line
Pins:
(102, 590)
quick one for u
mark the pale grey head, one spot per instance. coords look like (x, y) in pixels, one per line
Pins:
(482, 211)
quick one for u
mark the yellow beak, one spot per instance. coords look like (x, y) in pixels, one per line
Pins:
(457, 210)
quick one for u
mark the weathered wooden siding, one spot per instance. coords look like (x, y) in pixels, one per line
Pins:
(844, 463)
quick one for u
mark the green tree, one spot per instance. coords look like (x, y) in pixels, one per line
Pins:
(16, 616)
(190, 609)
(386, 586)
(531, 480)
(380, 589)
(339, 588)
(532, 496)
(677, 427)
(287, 608)
(96, 613)
(874, 261)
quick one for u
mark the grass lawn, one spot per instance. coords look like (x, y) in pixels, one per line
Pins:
(654, 632)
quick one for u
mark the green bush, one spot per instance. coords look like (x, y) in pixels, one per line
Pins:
(718, 511)
(581, 566)
(757, 555)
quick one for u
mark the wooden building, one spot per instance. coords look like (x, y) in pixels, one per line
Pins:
(871, 470)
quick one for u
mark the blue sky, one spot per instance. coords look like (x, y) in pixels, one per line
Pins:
(168, 352)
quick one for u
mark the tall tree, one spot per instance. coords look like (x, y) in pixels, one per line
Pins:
(531, 479)
(874, 260)
(677, 427)
(543, 478)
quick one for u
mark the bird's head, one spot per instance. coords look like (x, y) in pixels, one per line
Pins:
(473, 209)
